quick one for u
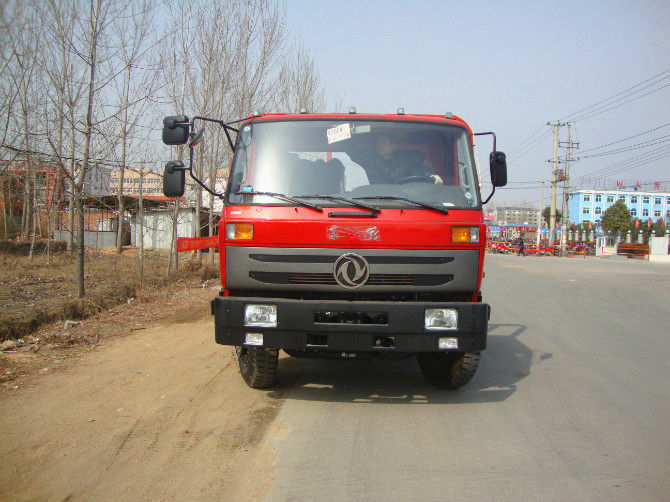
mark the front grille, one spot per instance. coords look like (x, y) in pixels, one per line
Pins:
(304, 278)
(368, 318)
(373, 280)
(391, 280)
(327, 279)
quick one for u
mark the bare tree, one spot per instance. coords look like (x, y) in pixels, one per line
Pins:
(238, 62)
(26, 44)
(76, 80)
(92, 45)
(301, 85)
(138, 85)
(9, 90)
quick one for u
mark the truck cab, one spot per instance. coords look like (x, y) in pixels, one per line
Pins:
(353, 236)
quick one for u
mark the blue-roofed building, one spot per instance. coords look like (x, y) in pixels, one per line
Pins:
(589, 204)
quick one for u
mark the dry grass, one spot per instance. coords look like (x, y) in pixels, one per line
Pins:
(41, 290)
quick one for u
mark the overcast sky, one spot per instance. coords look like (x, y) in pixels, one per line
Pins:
(509, 67)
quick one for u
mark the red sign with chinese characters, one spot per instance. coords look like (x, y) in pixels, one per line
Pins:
(637, 185)
(195, 243)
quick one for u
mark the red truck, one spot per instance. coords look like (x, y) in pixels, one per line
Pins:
(349, 235)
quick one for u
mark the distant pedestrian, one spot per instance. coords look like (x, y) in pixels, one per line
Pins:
(522, 246)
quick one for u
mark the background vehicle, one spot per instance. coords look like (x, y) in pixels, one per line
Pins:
(350, 236)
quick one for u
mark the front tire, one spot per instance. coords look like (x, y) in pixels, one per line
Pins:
(258, 365)
(448, 370)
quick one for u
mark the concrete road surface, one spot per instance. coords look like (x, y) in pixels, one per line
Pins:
(570, 402)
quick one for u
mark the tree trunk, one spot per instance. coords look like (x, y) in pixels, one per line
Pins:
(173, 239)
(88, 132)
(140, 215)
(34, 225)
(198, 202)
(70, 206)
(70, 222)
(25, 217)
(79, 267)
(211, 224)
(119, 222)
(124, 141)
(5, 215)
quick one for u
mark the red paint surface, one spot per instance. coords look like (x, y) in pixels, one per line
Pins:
(277, 227)
(295, 227)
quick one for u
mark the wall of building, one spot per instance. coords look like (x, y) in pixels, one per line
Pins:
(509, 215)
(589, 205)
(157, 228)
(152, 183)
(93, 239)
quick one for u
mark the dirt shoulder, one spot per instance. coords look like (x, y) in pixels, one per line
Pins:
(36, 291)
(155, 411)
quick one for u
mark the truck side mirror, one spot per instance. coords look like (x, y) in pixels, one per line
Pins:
(175, 130)
(498, 165)
(174, 179)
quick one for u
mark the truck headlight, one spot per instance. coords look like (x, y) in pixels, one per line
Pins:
(260, 315)
(441, 319)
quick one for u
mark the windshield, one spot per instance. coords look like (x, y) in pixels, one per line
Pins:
(385, 163)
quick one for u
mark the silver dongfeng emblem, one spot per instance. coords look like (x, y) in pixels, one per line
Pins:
(351, 270)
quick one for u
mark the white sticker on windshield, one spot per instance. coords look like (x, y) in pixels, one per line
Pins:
(338, 133)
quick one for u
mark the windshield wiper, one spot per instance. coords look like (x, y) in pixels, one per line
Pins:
(416, 202)
(360, 205)
(281, 196)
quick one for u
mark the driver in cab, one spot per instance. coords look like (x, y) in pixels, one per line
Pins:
(388, 164)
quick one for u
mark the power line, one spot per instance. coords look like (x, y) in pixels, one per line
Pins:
(530, 147)
(624, 165)
(628, 168)
(606, 100)
(518, 147)
(617, 106)
(95, 162)
(637, 146)
(532, 187)
(625, 139)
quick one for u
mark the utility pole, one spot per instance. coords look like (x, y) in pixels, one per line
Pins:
(566, 187)
(554, 181)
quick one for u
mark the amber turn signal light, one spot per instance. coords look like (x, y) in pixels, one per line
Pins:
(239, 231)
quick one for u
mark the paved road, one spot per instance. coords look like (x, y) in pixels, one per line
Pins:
(571, 401)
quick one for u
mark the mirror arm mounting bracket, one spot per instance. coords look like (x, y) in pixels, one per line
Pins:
(494, 149)
(486, 133)
(230, 140)
(197, 180)
(226, 128)
(489, 197)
